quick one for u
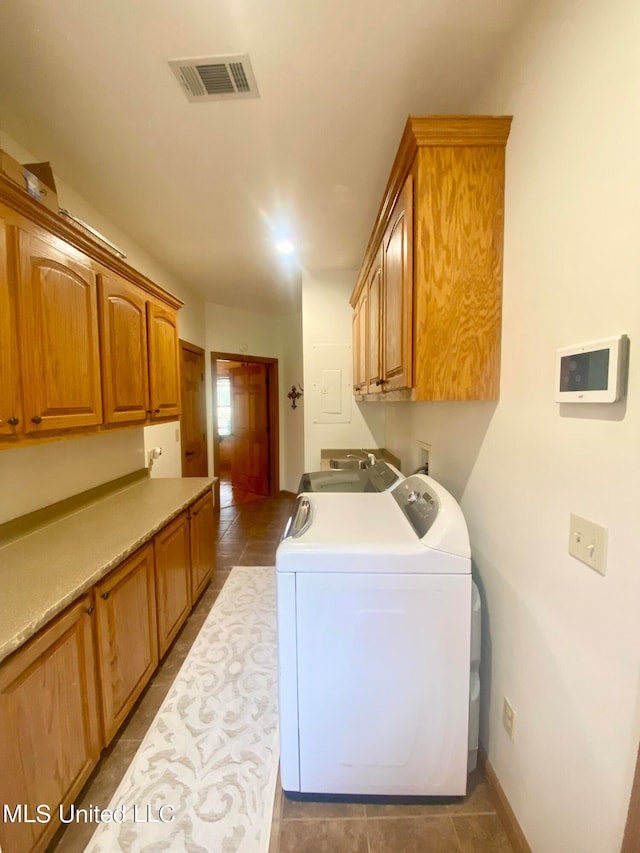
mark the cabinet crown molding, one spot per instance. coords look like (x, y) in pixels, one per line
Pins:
(22, 203)
(428, 132)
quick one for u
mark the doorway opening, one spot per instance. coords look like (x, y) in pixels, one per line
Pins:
(245, 427)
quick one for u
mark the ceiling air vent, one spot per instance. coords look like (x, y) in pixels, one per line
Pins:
(216, 77)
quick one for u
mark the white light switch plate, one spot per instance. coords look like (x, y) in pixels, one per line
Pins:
(588, 542)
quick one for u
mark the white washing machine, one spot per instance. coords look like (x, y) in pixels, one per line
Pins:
(374, 597)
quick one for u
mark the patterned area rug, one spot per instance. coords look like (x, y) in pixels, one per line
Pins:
(204, 776)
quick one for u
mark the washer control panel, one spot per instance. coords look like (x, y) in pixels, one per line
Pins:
(418, 502)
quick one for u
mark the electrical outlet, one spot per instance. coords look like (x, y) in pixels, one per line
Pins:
(508, 718)
(178, 434)
(588, 543)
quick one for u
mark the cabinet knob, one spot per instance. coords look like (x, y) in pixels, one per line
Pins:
(157, 411)
(89, 610)
(149, 412)
(106, 595)
(36, 419)
(14, 421)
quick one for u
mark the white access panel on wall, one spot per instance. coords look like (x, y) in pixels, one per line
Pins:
(331, 392)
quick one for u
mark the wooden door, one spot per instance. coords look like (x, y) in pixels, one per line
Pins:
(59, 341)
(125, 368)
(360, 345)
(374, 338)
(250, 407)
(127, 637)
(193, 420)
(11, 421)
(49, 730)
(164, 361)
(173, 586)
(397, 305)
(201, 542)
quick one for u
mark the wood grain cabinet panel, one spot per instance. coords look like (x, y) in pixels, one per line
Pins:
(360, 345)
(58, 327)
(127, 638)
(201, 527)
(397, 293)
(440, 228)
(374, 328)
(164, 360)
(173, 579)
(11, 419)
(49, 730)
(125, 365)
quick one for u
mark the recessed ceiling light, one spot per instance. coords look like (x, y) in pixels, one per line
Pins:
(284, 247)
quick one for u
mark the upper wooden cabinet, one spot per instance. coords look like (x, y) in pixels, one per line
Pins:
(11, 419)
(164, 360)
(360, 344)
(373, 321)
(58, 330)
(125, 364)
(440, 231)
(49, 729)
(397, 293)
(88, 343)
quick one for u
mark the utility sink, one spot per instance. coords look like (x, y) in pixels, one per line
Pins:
(349, 464)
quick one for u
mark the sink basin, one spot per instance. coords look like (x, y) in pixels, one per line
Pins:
(350, 464)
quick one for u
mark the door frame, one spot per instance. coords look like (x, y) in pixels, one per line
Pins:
(273, 415)
(194, 348)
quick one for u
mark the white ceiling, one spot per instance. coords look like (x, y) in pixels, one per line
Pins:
(206, 187)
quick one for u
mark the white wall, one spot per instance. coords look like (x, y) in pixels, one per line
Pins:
(39, 475)
(233, 330)
(560, 641)
(326, 319)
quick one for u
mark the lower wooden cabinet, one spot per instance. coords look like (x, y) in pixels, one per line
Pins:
(49, 731)
(127, 637)
(65, 694)
(201, 543)
(173, 581)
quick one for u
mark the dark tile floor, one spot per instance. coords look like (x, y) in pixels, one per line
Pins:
(248, 534)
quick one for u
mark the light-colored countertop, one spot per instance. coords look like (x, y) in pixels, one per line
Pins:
(47, 569)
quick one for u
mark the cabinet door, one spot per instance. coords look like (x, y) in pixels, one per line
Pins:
(397, 313)
(11, 421)
(49, 732)
(173, 585)
(125, 367)
(360, 344)
(127, 639)
(57, 298)
(164, 361)
(201, 541)
(374, 338)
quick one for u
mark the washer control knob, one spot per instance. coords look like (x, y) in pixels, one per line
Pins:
(412, 497)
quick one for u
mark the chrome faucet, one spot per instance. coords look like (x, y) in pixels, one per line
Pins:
(370, 458)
